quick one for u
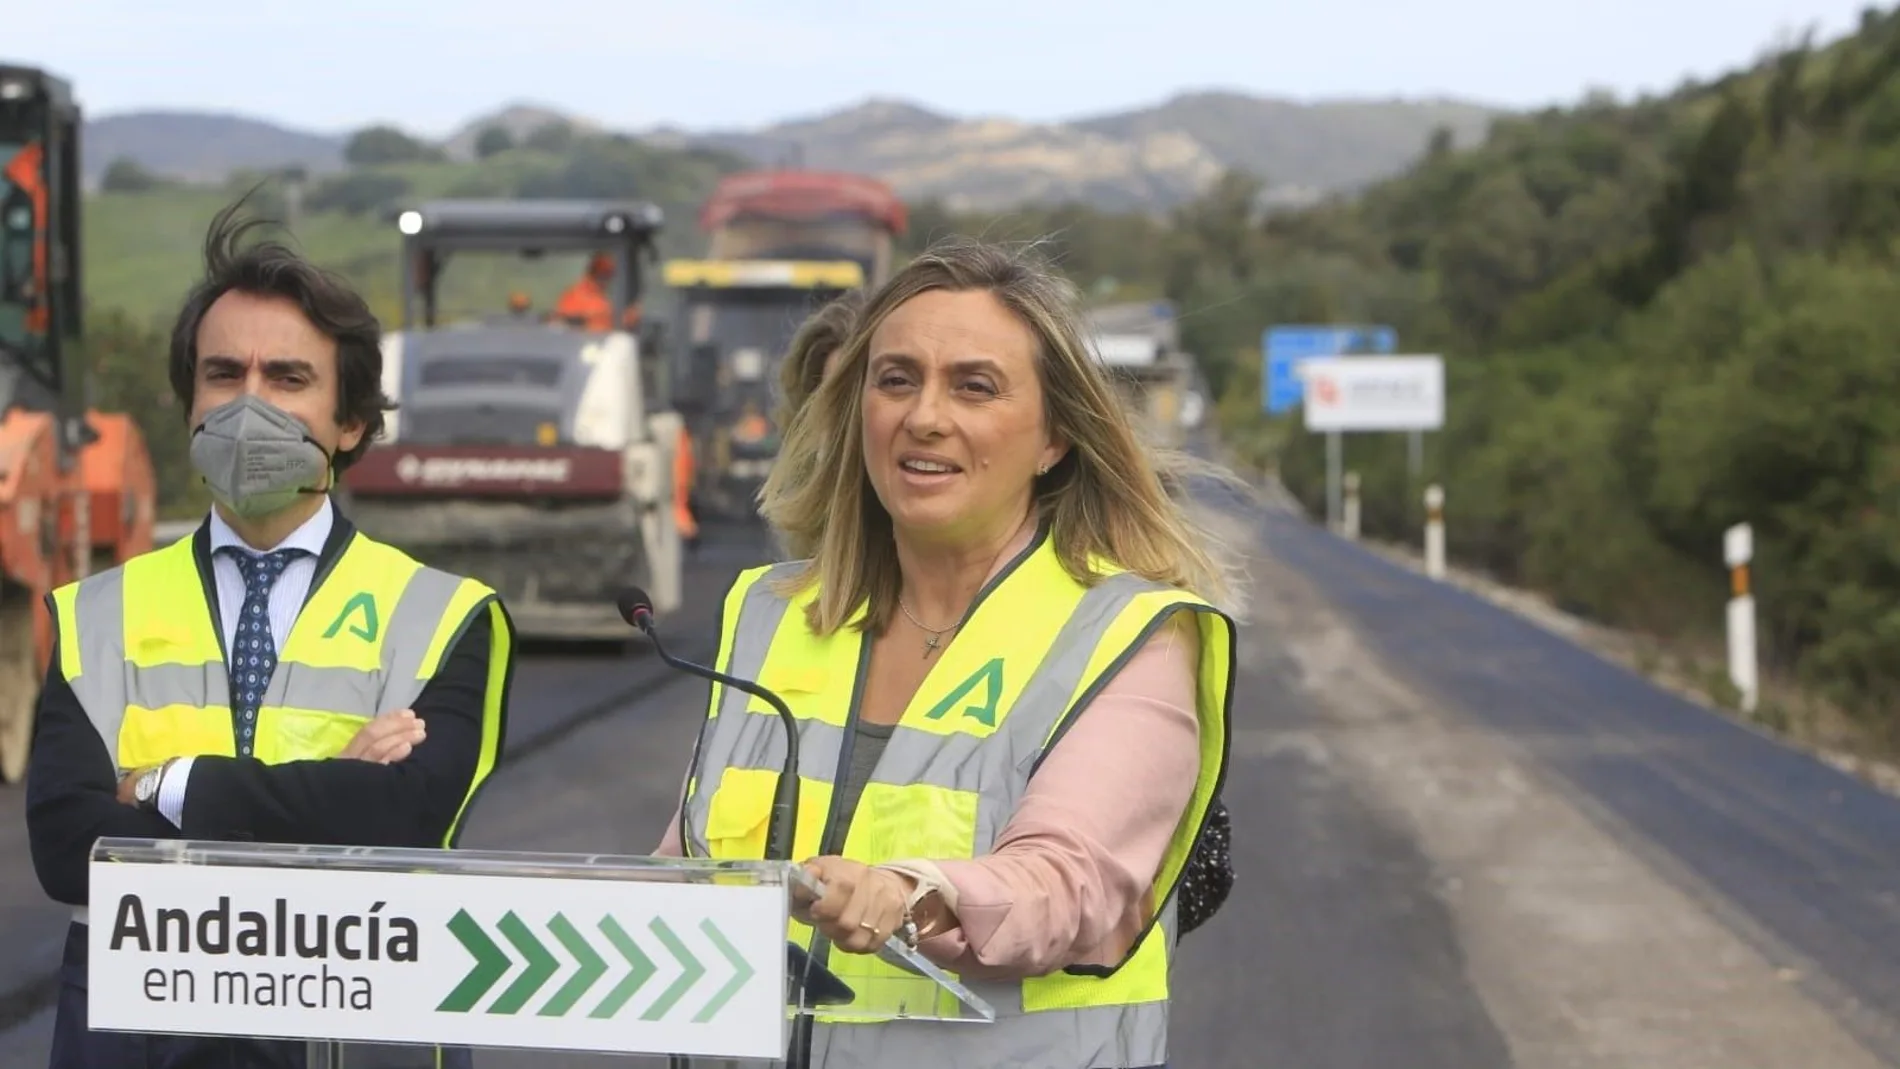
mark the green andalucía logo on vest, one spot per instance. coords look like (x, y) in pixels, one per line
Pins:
(360, 604)
(990, 678)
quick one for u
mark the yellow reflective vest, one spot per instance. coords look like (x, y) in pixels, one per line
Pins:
(139, 647)
(1034, 650)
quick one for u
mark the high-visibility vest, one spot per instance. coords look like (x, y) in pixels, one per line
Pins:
(1036, 648)
(139, 648)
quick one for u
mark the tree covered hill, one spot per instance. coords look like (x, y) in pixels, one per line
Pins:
(1659, 320)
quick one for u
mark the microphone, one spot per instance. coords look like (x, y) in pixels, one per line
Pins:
(637, 610)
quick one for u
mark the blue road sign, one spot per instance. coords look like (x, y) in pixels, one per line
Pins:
(1283, 347)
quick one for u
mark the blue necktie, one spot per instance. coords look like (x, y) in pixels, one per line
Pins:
(253, 649)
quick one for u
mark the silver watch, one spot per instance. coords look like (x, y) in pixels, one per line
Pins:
(145, 788)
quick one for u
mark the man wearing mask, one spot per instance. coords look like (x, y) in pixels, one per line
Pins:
(394, 714)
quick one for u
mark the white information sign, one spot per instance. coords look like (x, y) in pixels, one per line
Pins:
(1373, 393)
(1126, 350)
(626, 967)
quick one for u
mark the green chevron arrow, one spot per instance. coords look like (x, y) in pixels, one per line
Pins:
(592, 968)
(690, 972)
(541, 965)
(640, 972)
(741, 972)
(490, 963)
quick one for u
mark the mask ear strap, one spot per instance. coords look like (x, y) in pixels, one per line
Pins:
(329, 470)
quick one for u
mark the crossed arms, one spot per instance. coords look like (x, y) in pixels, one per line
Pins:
(373, 794)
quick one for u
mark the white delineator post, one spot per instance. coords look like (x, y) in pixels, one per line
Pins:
(1738, 548)
(1350, 520)
(1435, 531)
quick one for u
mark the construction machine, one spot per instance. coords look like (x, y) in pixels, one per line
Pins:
(532, 454)
(76, 486)
(805, 215)
(1162, 385)
(779, 245)
(739, 317)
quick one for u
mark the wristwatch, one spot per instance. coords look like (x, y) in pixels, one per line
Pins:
(145, 788)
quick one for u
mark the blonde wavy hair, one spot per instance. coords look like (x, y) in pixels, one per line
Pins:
(1111, 497)
(818, 337)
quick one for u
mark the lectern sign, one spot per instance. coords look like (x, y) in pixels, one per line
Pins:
(420, 957)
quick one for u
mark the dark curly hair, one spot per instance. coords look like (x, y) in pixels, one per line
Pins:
(273, 269)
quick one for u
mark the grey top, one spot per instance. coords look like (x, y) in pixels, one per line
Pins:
(866, 747)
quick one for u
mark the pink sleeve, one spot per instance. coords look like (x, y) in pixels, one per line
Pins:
(1069, 879)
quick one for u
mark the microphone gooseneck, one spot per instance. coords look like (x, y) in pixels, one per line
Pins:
(637, 610)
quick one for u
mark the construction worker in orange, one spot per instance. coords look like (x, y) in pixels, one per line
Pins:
(683, 473)
(585, 303)
(752, 427)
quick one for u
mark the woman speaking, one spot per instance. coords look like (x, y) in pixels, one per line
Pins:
(1007, 665)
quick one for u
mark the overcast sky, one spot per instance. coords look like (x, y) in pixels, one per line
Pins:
(429, 65)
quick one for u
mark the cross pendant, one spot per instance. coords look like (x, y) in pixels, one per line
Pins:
(930, 646)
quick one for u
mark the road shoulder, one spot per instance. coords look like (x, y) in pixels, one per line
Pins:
(1583, 952)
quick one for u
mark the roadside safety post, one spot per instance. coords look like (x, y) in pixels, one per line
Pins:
(1435, 531)
(1738, 549)
(1350, 521)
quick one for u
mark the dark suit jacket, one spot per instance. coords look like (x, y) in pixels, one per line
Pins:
(71, 787)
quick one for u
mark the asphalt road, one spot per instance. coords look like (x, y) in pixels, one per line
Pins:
(1461, 843)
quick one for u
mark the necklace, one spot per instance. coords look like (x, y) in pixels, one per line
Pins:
(936, 634)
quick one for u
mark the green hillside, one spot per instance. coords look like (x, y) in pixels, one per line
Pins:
(142, 243)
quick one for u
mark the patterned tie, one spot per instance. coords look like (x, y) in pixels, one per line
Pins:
(253, 650)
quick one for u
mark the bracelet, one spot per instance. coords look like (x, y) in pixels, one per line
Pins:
(917, 895)
(921, 888)
(907, 926)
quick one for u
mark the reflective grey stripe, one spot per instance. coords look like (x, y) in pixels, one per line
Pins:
(734, 739)
(1097, 1037)
(1108, 1037)
(419, 612)
(1002, 763)
(739, 738)
(101, 683)
(108, 683)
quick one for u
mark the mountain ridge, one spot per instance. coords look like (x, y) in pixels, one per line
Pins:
(1149, 158)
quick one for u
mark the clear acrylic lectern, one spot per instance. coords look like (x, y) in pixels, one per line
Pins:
(377, 956)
